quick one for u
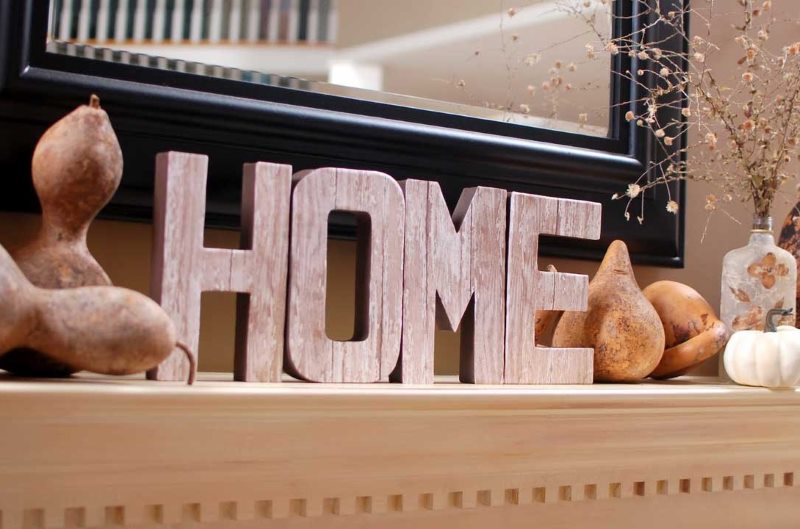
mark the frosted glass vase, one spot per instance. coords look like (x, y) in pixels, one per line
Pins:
(756, 278)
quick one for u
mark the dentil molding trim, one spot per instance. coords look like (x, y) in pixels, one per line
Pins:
(96, 452)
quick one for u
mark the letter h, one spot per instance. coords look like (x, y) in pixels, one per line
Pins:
(183, 268)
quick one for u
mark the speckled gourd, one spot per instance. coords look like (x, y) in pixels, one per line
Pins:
(692, 330)
(77, 166)
(620, 324)
(103, 329)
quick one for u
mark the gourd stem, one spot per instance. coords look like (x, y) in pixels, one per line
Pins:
(192, 362)
(770, 320)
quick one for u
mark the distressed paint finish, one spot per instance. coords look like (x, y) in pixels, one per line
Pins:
(376, 199)
(530, 289)
(454, 272)
(183, 268)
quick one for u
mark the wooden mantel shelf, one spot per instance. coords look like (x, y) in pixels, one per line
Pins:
(97, 452)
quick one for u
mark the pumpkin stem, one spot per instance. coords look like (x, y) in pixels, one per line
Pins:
(770, 323)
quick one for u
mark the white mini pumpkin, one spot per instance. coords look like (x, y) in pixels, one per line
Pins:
(770, 359)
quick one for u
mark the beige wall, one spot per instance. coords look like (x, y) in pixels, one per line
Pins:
(363, 21)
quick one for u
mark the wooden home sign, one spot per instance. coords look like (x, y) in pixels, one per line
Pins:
(480, 264)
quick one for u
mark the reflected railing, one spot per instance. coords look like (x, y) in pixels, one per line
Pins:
(99, 22)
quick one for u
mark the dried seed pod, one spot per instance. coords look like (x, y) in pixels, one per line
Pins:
(77, 166)
(103, 329)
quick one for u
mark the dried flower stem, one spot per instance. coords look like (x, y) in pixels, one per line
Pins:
(738, 137)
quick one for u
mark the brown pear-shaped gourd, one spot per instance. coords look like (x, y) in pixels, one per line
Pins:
(620, 324)
(77, 166)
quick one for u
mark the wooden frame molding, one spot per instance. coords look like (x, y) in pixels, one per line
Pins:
(95, 452)
(262, 511)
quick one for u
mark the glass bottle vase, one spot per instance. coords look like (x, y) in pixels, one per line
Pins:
(756, 278)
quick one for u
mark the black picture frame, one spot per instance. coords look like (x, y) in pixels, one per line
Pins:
(236, 122)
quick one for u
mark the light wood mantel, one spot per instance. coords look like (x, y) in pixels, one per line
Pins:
(93, 452)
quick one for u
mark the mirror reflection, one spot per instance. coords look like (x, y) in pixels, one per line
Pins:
(528, 62)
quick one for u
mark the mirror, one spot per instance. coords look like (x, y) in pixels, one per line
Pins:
(525, 63)
(159, 103)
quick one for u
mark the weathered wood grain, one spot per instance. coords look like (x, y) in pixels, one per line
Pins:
(260, 274)
(530, 289)
(183, 268)
(372, 354)
(454, 271)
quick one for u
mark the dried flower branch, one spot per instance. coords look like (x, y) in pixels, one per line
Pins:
(536, 81)
(739, 137)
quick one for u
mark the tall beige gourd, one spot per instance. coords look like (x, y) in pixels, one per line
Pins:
(77, 166)
(620, 324)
